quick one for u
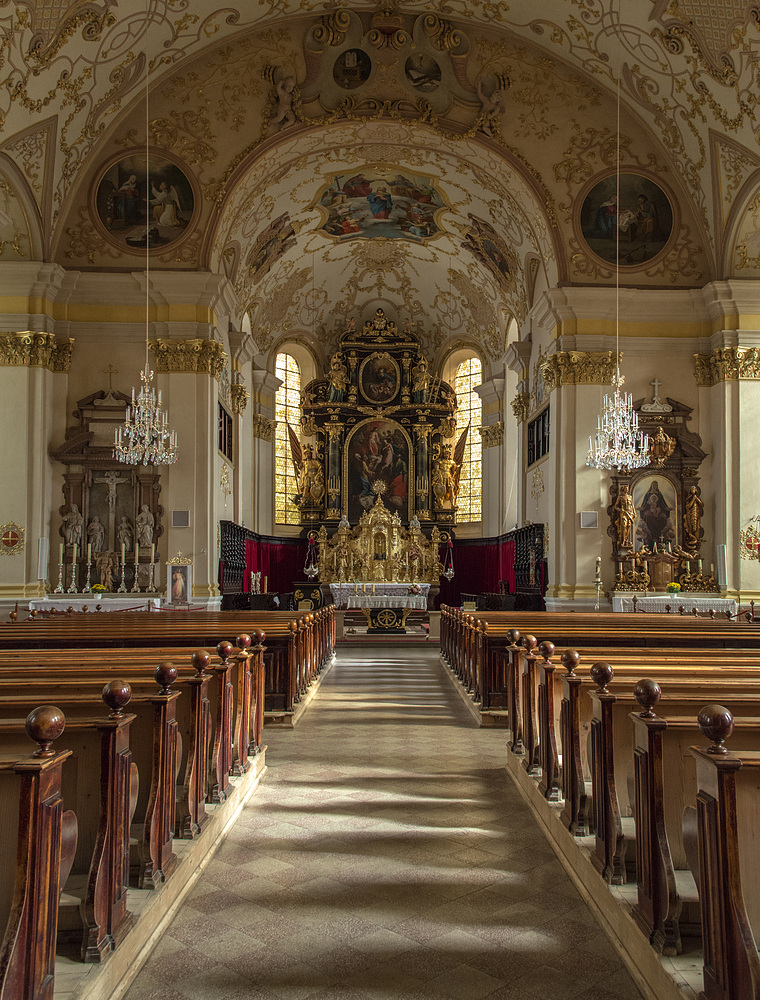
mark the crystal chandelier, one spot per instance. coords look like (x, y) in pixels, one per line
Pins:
(145, 437)
(618, 443)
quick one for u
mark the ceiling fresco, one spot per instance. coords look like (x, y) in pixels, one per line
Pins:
(410, 159)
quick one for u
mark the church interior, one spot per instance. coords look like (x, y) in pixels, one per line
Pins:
(402, 341)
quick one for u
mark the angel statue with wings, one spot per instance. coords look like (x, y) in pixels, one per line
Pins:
(165, 202)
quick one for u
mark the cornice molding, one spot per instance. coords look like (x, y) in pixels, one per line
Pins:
(727, 364)
(196, 356)
(36, 350)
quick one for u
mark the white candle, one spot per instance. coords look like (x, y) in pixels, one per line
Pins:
(89, 552)
(74, 554)
(265, 591)
(137, 551)
(60, 553)
(123, 552)
(152, 552)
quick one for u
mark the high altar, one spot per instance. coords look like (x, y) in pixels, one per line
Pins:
(377, 451)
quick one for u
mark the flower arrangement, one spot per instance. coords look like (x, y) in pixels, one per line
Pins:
(415, 588)
(673, 588)
(98, 588)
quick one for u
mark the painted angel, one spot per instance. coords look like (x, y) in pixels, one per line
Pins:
(165, 202)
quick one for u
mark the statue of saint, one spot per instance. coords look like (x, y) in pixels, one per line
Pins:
(312, 486)
(145, 523)
(338, 380)
(96, 534)
(421, 382)
(106, 566)
(692, 518)
(73, 523)
(124, 533)
(442, 481)
(624, 518)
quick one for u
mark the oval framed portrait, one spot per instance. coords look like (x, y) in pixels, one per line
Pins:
(627, 230)
(379, 378)
(139, 209)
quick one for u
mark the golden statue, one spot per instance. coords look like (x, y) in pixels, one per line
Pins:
(312, 484)
(692, 518)
(624, 518)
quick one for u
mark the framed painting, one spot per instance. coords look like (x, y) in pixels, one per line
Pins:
(377, 460)
(179, 582)
(379, 378)
(140, 210)
(629, 230)
(656, 502)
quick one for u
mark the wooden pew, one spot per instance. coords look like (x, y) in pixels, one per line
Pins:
(38, 835)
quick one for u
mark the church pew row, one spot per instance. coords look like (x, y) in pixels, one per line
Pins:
(664, 793)
(297, 647)
(37, 832)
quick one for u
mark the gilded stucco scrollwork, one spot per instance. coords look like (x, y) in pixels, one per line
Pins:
(189, 356)
(727, 364)
(263, 427)
(521, 406)
(239, 397)
(577, 368)
(36, 350)
(492, 435)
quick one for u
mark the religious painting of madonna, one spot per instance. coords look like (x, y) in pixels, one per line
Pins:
(642, 219)
(137, 212)
(381, 202)
(377, 459)
(654, 498)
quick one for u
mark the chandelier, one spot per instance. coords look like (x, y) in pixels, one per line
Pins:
(618, 443)
(145, 438)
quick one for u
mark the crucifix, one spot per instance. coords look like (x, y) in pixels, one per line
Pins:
(112, 480)
(110, 372)
(656, 383)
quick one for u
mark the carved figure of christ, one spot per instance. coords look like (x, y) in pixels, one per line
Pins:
(113, 480)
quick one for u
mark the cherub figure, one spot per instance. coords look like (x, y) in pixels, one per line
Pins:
(284, 114)
(491, 105)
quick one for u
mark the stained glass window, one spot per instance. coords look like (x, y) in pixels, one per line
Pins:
(469, 502)
(287, 411)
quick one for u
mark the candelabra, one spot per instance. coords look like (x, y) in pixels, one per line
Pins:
(135, 589)
(72, 588)
(123, 585)
(150, 577)
(59, 588)
(87, 589)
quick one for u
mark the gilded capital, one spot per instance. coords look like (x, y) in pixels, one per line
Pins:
(263, 427)
(492, 434)
(239, 397)
(727, 364)
(521, 405)
(189, 356)
(36, 350)
(578, 368)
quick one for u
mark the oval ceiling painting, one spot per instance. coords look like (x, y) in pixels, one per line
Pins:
(630, 229)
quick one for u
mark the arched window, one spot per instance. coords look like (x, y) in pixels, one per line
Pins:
(287, 411)
(469, 502)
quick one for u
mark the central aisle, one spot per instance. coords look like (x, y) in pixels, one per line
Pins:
(385, 854)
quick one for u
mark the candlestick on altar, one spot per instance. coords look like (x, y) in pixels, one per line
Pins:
(135, 588)
(59, 588)
(123, 585)
(72, 588)
(87, 589)
(150, 577)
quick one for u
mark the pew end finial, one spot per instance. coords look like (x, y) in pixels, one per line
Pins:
(165, 674)
(201, 661)
(529, 642)
(570, 660)
(243, 642)
(601, 674)
(224, 650)
(647, 693)
(116, 695)
(717, 724)
(259, 636)
(547, 650)
(43, 725)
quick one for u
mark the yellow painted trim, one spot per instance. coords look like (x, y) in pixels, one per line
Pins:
(22, 591)
(493, 407)
(606, 328)
(106, 312)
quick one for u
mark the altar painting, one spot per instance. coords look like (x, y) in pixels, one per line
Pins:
(390, 203)
(377, 459)
(379, 378)
(654, 498)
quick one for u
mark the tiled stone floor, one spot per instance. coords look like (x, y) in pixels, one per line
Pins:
(385, 855)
